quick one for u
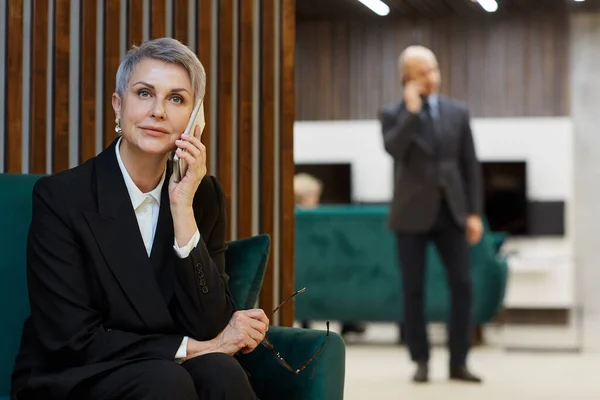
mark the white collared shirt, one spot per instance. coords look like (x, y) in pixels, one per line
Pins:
(433, 100)
(147, 207)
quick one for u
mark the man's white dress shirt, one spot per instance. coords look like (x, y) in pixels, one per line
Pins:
(147, 206)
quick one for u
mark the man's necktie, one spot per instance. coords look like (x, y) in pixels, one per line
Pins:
(429, 123)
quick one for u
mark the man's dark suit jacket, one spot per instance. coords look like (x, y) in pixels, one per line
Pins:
(424, 165)
(98, 301)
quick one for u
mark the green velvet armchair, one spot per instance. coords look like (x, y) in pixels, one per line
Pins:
(323, 379)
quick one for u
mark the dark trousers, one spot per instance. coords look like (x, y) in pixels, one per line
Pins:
(452, 246)
(214, 376)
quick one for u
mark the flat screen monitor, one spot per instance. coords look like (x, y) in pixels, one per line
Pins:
(336, 179)
(505, 188)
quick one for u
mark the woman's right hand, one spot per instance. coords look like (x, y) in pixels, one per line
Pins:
(245, 330)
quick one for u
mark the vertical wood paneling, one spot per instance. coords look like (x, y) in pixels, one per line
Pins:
(60, 143)
(111, 64)
(136, 23)
(286, 247)
(242, 128)
(14, 84)
(340, 44)
(180, 20)
(88, 81)
(39, 84)
(267, 143)
(157, 19)
(500, 65)
(224, 141)
(563, 69)
(245, 118)
(204, 29)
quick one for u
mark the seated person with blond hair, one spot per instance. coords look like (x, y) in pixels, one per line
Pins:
(307, 194)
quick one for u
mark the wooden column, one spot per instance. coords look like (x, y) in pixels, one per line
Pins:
(267, 143)
(287, 155)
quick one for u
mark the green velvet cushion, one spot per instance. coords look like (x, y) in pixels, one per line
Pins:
(347, 259)
(15, 215)
(323, 378)
(245, 263)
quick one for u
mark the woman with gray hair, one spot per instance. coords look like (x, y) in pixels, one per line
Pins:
(125, 262)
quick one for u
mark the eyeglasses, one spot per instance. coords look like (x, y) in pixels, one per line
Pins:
(267, 343)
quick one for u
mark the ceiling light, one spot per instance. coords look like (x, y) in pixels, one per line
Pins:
(579, 1)
(488, 5)
(377, 6)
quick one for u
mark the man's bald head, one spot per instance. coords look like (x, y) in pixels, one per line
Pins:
(413, 54)
(420, 63)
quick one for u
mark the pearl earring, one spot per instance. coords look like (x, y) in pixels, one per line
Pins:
(118, 127)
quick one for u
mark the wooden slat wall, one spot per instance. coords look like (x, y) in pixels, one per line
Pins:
(14, 56)
(245, 118)
(136, 28)
(60, 153)
(247, 49)
(158, 26)
(180, 22)
(87, 128)
(39, 84)
(288, 39)
(225, 123)
(267, 142)
(112, 57)
(205, 54)
(502, 66)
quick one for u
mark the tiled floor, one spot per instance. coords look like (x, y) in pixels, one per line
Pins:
(383, 373)
(377, 369)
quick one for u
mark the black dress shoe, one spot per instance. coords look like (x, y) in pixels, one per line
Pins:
(463, 374)
(422, 373)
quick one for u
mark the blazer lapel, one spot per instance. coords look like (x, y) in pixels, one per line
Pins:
(162, 255)
(117, 233)
(424, 141)
(443, 121)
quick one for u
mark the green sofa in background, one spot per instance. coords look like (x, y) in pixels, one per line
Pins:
(246, 259)
(346, 258)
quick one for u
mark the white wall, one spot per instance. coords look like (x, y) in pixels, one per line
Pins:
(585, 103)
(543, 273)
(549, 161)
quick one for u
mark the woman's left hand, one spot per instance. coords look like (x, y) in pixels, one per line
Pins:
(181, 194)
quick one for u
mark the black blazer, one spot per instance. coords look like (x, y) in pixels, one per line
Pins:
(97, 300)
(425, 166)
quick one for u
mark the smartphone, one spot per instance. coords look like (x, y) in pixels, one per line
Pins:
(196, 119)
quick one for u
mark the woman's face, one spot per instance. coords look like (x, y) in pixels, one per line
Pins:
(156, 106)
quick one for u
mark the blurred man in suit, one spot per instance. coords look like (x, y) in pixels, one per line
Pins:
(438, 197)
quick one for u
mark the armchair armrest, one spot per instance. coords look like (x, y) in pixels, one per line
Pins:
(323, 378)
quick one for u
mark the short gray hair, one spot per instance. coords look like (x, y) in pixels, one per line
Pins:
(168, 50)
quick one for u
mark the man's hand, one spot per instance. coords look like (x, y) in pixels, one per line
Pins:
(474, 229)
(412, 96)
